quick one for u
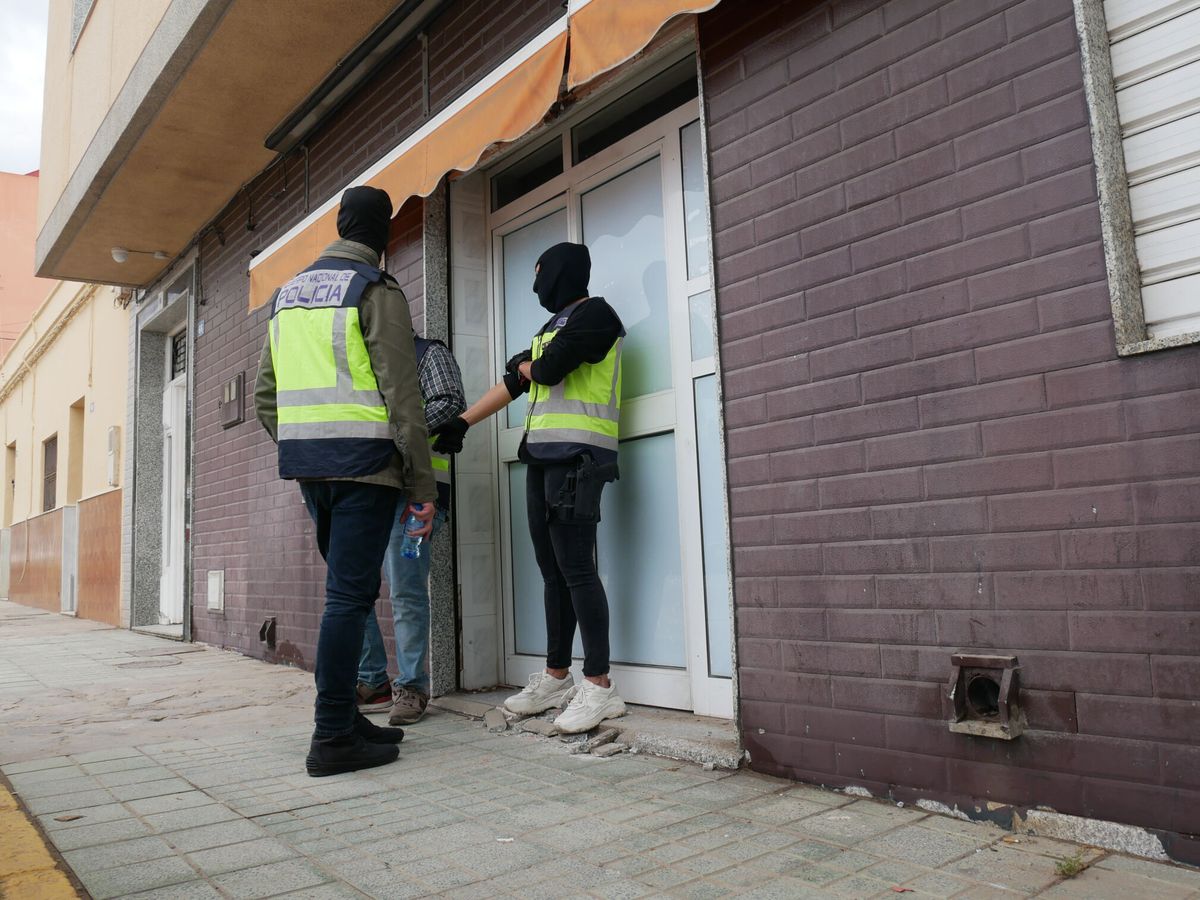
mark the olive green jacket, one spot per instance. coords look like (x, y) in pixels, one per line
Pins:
(388, 332)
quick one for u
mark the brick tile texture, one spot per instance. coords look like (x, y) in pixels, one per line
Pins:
(972, 465)
(247, 521)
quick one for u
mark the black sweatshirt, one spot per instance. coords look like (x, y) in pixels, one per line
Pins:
(590, 330)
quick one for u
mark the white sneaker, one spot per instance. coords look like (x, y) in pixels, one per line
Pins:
(590, 705)
(543, 692)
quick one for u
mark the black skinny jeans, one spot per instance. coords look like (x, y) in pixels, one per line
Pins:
(566, 556)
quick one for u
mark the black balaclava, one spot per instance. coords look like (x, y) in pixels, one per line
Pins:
(562, 276)
(364, 216)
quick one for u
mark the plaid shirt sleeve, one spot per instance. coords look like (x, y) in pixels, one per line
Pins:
(441, 387)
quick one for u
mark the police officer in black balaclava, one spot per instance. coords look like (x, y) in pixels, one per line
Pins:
(568, 464)
(561, 276)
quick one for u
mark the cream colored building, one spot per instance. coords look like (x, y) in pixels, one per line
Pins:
(62, 412)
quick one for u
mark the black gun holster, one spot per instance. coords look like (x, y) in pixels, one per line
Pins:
(578, 500)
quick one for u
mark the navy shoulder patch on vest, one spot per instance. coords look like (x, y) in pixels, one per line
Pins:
(327, 283)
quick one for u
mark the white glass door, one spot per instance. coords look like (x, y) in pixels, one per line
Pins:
(662, 533)
(174, 441)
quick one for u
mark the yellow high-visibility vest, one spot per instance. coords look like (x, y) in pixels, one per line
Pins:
(582, 412)
(332, 418)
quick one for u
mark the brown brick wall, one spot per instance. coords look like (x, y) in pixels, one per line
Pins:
(245, 520)
(932, 444)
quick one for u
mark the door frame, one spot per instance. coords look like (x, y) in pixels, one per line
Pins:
(666, 411)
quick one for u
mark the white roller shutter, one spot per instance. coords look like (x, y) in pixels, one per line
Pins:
(1156, 67)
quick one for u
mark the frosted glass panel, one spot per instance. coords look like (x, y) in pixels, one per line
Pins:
(700, 316)
(623, 228)
(528, 611)
(639, 556)
(523, 315)
(695, 200)
(712, 525)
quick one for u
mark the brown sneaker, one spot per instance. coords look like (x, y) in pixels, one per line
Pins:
(373, 699)
(408, 707)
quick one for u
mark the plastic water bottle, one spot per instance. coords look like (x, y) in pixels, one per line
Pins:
(410, 547)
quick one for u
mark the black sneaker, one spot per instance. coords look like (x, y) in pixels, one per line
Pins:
(374, 734)
(347, 753)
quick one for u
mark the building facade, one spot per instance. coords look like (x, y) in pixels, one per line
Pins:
(21, 291)
(911, 374)
(62, 412)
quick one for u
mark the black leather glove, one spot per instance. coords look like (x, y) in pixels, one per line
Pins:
(513, 364)
(450, 435)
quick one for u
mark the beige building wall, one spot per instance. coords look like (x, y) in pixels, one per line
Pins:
(83, 82)
(21, 292)
(65, 377)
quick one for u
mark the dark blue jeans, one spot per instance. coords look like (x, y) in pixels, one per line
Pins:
(354, 522)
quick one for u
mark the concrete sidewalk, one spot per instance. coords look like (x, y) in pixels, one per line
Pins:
(167, 770)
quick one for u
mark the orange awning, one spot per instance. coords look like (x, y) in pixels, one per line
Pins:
(507, 104)
(606, 33)
(502, 111)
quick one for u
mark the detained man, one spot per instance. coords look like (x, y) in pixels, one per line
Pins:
(407, 696)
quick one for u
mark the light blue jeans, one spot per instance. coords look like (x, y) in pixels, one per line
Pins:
(408, 582)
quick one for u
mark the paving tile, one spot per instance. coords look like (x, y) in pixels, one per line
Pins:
(120, 853)
(41, 776)
(632, 865)
(101, 833)
(188, 890)
(811, 850)
(921, 846)
(622, 889)
(247, 855)
(896, 871)
(37, 765)
(133, 776)
(110, 812)
(783, 889)
(219, 834)
(332, 890)
(74, 802)
(813, 873)
(941, 884)
(387, 886)
(53, 788)
(139, 877)
(1003, 867)
(844, 827)
(271, 880)
(1109, 884)
(702, 890)
(1189, 878)
(124, 764)
(169, 802)
(191, 817)
(559, 889)
(96, 756)
(664, 877)
(776, 810)
(858, 885)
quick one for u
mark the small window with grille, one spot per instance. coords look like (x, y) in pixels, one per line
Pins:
(49, 473)
(178, 355)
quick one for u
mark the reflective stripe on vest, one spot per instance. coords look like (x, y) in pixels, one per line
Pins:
(325, 388)
(583, 409)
